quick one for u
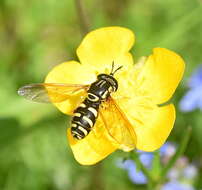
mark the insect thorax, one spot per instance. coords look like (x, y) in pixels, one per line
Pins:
(85, 115)
(102, 87)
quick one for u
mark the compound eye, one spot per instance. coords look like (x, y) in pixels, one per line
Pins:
(114, 87)
(101, 76)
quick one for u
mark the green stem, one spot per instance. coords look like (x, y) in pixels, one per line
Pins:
(97, 177)
(178, 153)
(83, 18)
(156, 166)
(153, 180)
(146, 172)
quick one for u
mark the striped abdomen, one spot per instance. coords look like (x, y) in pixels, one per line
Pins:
(84, 118)
(85, 115)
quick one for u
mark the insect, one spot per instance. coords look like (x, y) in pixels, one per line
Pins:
(97, 102)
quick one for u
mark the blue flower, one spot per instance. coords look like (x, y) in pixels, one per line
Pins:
(168, 149)
(180, 173)
(193, 98)
(196, 79)
(190, 171)
(135, 175)
(146, 158)
(175, 185)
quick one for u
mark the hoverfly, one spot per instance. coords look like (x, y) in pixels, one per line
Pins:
(97, 102)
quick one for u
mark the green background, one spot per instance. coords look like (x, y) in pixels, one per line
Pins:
(36, 35)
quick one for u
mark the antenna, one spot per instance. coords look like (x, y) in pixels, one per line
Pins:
(112, 71)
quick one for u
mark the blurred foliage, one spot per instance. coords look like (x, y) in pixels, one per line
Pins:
(36, 35)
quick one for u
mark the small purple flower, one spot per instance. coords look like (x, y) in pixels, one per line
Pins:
(196, 79)
(175, 185)
(193, 98)
(146, 159)
(179, 177)
(168, 149)
(174, 174)
(190, 171)
(135, 175)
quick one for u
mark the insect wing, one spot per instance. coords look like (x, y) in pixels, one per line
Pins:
(117, 124)
(50, 92)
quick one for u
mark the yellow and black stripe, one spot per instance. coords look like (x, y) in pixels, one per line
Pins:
(85, 115)
(84, 119)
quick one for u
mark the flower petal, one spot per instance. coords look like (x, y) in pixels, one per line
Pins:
(152, 124)
(152, 82)
(161, 74)
(104, 45)
(71, 72)
(94, 147)
(156, 129)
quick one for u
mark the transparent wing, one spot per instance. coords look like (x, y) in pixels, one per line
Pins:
(50, 92)
(117, 125)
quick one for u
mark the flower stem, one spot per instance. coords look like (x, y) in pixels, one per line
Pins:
(178, 153)
(97, 177)
(83, 18)
(156, 166)
(146, 172)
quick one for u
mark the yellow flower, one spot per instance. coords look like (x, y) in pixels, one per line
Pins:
(142, 88)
